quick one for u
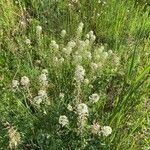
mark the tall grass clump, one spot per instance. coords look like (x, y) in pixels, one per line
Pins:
(74, 75)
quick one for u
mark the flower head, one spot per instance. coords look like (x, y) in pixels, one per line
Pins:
(105, 55)
(63, 120)
(15, 83)
(106, 130)
(61, 95)
(82, 109)
(63, 33)
(43, 79)
(94, 66)
(86, 81)
(38, 100)
(14, 138)
(79, 73)
(38, 29)
(27, 41)
(45, 71)
(25, 81)
(69, 107)
(94, 98)
(42, 93)
(71, 44)
(54, 45)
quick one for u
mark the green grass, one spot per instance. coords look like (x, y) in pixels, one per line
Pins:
(122, 26)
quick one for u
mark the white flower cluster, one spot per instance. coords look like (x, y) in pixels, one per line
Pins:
(79, 74)
(91, 36)
(27, 41)
(15, 83)
(63, 33)
(69, 107)
(61, 95)
(94, 98)
(63, 120)
(105, 130)
(43, 77)
(83, 112)
(82, 52)
(38, 29)
(54, 45)
(24, 82)
(42, 95)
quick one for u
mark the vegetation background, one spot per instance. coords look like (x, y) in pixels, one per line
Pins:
(120, 25)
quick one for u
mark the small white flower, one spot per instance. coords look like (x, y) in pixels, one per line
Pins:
(45, 71)
(106, 130)
(63, 120)
(87, 36)
(38, 29)
(87, 42)
(53, 42)
(101, 49)
(86, 81)
(94, 98)
(93, 37)
(71, 44)
(77, 58)
(79, 31)
(55, 59)
(27, 41)
(63, 33)
(79, 73)
(110, 52)
(38, 100)
(91, 33)
(116, 60)
(67, 50)
(54, 45)
(88, 55)
(43, 77)
(105, 55)
(97, 57)
(82, 109)
(22, 23)
(69, 107)
(61, 60)
(61, 95)
(15, 83)
(82, 44)
(42, 93)
(81, 24)
(25, 81)
(94, 66)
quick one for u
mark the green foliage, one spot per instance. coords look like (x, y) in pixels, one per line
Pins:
(122, 82)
